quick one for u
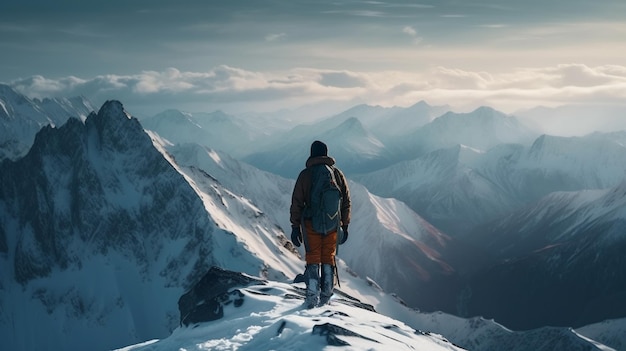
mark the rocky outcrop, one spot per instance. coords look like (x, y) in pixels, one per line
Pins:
(207, 298)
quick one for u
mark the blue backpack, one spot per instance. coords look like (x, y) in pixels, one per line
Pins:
(325, 203)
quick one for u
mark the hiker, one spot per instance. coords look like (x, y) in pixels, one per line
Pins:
(321, 227)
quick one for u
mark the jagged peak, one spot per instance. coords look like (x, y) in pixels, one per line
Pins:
(113, 108)
(350, 127)
(53, 137)
(111, 111)
(116, 126)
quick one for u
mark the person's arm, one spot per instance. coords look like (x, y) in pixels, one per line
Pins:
(298, 200)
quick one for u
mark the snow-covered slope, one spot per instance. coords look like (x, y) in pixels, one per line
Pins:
(459, 187)
(21, 118)
(445, 187)
(406, 255)
(609, 332)
(216, 130)
(268, 191)
(250, 314)
(271, 316)
(559, 261)
(596, 161)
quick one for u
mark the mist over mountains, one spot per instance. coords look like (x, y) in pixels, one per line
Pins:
(106, 222)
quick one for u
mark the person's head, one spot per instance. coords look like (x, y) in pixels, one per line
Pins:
(318, 148)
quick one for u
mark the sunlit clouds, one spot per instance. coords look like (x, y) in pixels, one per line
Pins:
(226, 86)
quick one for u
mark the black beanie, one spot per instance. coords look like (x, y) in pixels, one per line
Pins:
(318, 149)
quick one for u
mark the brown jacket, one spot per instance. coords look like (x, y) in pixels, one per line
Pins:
(302, 191)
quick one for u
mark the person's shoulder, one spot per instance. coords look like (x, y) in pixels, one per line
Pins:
(320, 160)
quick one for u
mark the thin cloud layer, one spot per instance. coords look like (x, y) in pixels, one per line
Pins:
(244, 90)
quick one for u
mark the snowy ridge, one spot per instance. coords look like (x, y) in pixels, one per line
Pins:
(444, 187)
(269, 315)
(567, 244)
(357, 140)
(270, 192)
(272, 317)
(581, 157)
(609, 332)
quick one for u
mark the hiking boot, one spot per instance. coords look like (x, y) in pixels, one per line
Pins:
(312, 274)
(327, 283)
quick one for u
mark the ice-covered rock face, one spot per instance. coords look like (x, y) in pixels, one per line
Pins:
(106, 169)
(207, 298)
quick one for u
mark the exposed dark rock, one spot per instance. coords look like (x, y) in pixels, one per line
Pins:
(331, 331)
(207, 298)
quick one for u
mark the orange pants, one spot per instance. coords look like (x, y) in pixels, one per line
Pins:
(319, 248)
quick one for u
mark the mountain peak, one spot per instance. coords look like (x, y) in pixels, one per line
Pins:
(351, 122)
(115, 127)
(113, 108)
(486, 110)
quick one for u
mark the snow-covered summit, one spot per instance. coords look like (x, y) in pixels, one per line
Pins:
(228, 310)
(269, 315)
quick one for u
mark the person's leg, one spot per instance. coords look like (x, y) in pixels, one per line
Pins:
(327, 282)
(313, 246)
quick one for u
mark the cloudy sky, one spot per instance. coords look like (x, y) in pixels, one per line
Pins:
(201, 55)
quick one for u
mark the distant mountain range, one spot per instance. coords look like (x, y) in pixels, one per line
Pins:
(104, 222)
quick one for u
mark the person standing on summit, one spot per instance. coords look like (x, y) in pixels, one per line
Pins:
(319, 215)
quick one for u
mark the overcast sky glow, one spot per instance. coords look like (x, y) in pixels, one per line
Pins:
(201, 55)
